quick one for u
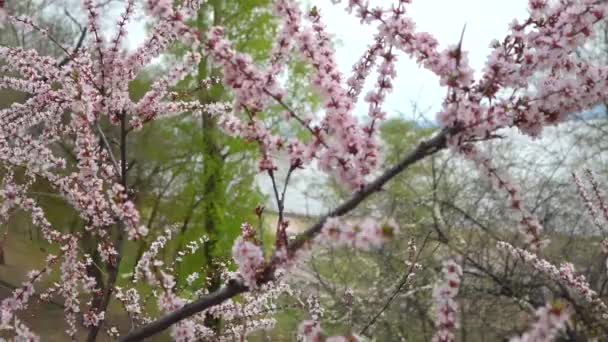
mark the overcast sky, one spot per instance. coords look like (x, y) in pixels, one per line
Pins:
(485, 20)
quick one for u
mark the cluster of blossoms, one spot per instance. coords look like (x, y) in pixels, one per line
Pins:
(75, 280)
(252, 313)
(341, 145)
(255, 312)
(169, 300)
(311, 331)
(14, 197)
(248, 255)
(551, 319)
(93, 83)
(367, 234)
(144, 267)
(539, 50)
(159, 8)
(131, 302)
(19, 301)
(411, 264)
(533, 66)
(593, 206)
(565, 274)
(69, 101)
(446, 307)
(74, 277)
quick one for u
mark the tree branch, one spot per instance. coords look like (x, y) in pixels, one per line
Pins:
(233, 288)
(113, 267)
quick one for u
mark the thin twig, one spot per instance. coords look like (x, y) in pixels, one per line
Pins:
(108, 148)
(402, 283)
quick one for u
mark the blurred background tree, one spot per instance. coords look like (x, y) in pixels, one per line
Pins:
(184, 170)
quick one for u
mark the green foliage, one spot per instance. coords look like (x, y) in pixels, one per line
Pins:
(185, 171)
(217, 189)
(212, 188)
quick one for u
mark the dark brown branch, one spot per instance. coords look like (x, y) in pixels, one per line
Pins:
(68, 58)
(423, 150)
(108, 148)
(102, 304)
(233, 288)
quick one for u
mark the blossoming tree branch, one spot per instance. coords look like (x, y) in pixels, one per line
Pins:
(532, 78)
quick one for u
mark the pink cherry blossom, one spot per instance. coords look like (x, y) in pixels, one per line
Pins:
(446, 308)
(550, 320)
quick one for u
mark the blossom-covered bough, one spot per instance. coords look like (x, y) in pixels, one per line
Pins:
(532, 78)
